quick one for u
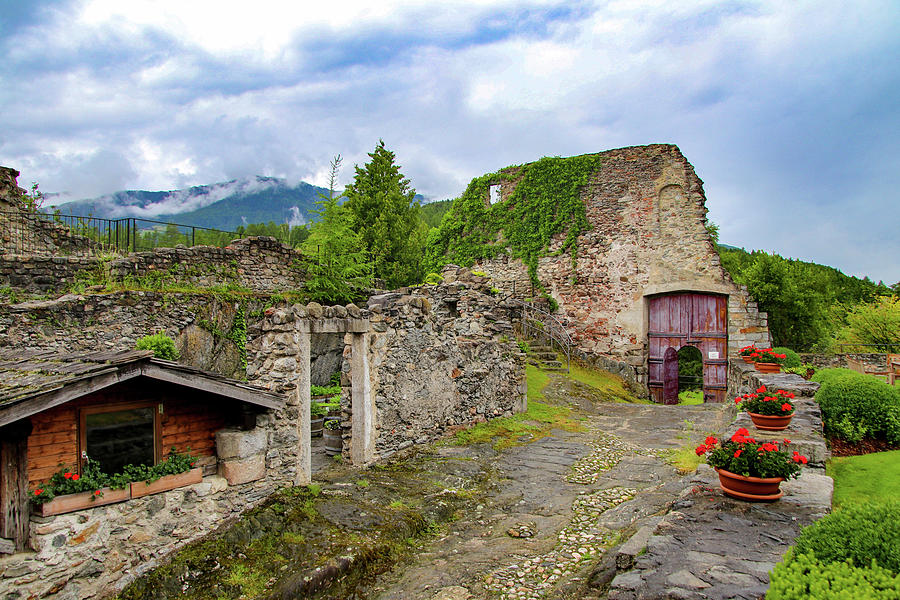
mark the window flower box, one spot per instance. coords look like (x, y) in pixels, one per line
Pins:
(166, 483)
(82, 500)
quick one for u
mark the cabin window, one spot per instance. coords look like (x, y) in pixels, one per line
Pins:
(119, 435)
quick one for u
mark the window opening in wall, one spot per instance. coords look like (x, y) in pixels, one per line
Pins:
(495, 194)
(117, 435)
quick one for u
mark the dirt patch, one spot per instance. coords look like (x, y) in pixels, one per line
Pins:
(840, 447)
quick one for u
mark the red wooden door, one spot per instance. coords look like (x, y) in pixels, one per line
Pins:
(670, 376)
(699, 320)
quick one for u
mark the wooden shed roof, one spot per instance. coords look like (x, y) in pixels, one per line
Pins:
(32, 381)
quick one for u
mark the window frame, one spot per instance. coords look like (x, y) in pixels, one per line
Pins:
(107, 407)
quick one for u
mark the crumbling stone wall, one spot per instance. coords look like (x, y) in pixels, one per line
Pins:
(261, 264)
(442, 356)
(647, 212)
(22, 231)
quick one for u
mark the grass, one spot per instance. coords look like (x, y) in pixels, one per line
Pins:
(684, 459)
(690, 397)
(603, 381)
(863, 478)
(537, 422)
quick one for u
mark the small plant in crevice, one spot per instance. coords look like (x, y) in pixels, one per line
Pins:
(162, 346)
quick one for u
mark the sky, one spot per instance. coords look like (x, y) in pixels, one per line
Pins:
(788, 111)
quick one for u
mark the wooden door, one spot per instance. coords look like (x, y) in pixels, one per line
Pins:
(682, 319)
(670, 376)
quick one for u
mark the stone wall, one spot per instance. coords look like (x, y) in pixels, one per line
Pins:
(822, 361)
(647, 212)
(261, 264)
(440, 357)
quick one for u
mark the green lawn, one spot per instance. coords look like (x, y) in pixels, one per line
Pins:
(873, 476)
(689, 397)
(604, 381)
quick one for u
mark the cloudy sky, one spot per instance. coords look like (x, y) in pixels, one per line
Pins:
(789, 111)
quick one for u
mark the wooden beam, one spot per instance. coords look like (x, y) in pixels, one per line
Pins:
(31, 406)
(199, 382)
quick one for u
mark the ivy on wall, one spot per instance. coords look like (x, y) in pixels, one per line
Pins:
(546, 201)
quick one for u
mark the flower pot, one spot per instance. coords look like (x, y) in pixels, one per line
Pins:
(333, 442)
(771, 422)
(80, 501)
(768, 367)
(315, 426)
(166, 483)
(753, 489)
(747, 359)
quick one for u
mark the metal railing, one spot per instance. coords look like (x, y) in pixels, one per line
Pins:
(40, 233)
(540, 325)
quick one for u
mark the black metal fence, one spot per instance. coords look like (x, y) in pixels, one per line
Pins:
(39, 233)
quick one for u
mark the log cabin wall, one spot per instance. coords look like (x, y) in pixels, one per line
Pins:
(189, 422)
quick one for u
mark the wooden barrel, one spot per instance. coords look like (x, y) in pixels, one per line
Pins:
(333, 442)
(316, 426)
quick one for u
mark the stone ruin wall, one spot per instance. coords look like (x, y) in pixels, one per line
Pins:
(439, 356)
(40, 256)
(261, 264)
(647, 211)
(22, 231)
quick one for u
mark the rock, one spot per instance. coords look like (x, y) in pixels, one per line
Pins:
(237, 443)
(243, 470)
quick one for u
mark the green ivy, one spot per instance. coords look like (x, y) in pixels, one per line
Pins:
(546, 201)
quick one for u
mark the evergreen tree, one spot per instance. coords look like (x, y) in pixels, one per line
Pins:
(338, 268)
(383, 211)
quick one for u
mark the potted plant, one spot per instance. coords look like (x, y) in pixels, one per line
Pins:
(746, 351)
(68, 490)
(751, 470)
(767, 361)
(319, 392)
(317, 413)
(333, 442)
(770, 411)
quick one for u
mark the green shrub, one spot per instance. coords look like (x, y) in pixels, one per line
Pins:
(792, 359)
(433, 278)
(803, 577)
(863, 533)
(162, 346)
(823, 376)
(855, 405)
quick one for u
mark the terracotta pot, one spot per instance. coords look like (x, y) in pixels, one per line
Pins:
(753, 489)
(768, 367)
(771, 422)
(747, 359)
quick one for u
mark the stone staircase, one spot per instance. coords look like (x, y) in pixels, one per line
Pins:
(545, 358)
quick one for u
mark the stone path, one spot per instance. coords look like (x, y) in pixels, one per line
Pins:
(601, 514)
(560, 503)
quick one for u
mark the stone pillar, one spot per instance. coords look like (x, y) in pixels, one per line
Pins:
(304, 440)
(362, 450)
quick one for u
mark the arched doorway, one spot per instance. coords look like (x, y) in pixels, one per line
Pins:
(681, 320)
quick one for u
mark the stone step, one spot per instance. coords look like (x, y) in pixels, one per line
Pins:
(543, 355)
(551, 364)
(540, 349)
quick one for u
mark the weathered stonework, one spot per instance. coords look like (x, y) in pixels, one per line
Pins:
(647, 212)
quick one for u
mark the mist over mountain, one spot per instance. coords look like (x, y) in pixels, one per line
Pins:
(223, 205)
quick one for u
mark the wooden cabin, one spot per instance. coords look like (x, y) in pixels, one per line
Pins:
(117, 408)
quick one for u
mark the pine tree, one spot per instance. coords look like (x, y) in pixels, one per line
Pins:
(387, 217)
(338, 269)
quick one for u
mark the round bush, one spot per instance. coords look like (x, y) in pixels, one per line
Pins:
(855, 405)
(162, 346)
(859, 532)
(792, 359)
(803, 577)
(823, 376)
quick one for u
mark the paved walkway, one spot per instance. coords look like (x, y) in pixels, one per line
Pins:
(600, 514)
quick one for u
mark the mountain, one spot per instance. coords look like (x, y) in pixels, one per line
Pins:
(219, 206)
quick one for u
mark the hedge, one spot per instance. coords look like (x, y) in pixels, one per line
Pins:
(855, 405)
(803, 577)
